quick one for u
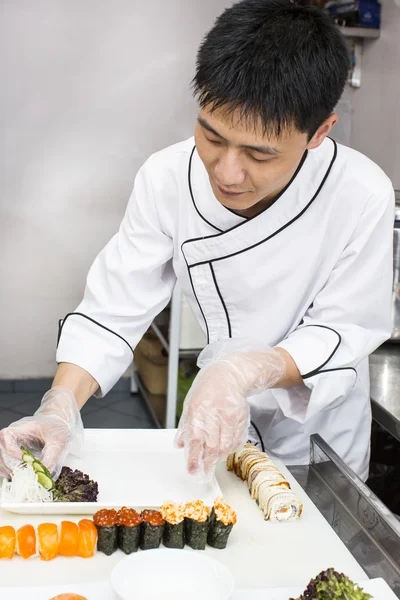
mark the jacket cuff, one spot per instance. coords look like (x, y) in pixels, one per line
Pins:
(311, 348)
(99, 351)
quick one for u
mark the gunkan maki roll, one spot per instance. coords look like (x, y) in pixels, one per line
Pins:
(152, 529)
(174, 531)
(196, 524)
(222, 520)
(106, 521)
(129, 530)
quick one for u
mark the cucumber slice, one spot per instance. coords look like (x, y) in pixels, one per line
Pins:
(38, 467)
(45, 481)
(27, 456)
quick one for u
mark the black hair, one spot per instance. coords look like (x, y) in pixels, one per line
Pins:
(274, 61)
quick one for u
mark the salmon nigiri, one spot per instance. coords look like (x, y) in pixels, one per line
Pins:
(68, 597)
(7, 541)
(68, 545)
(48, 540)
(26, 541)
(87, 538)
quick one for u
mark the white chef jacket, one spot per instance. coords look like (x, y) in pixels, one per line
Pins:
(312, 274)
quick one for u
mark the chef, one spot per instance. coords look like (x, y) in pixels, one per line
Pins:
(280, 239)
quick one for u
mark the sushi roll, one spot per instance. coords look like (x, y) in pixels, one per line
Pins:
(222, 519)
(26, 541)
(48, 540)
(152, 529)
(8, 541)
(106, 521)
(129, 530)
(174, 528)
(87, 538)
(196, 524)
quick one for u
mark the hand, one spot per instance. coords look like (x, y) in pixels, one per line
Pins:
(48, 434)
(216, 413)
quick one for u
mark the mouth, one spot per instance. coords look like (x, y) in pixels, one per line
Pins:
(229, 194)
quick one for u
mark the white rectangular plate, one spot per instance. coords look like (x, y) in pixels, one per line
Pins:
(101, 590)
(133, 467)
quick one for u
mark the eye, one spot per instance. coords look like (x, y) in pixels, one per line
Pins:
(216, 142)
(260, 160)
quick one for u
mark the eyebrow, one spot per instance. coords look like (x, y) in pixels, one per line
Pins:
(270, 150)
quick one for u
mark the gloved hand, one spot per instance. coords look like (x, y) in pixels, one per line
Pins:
(48, 434)
(216, 414)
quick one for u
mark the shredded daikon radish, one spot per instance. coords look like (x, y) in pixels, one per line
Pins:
(24, 487)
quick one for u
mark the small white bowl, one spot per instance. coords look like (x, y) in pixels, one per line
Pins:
(166, 574)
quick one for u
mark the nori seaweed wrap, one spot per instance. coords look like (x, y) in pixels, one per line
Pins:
(196, 524)
(222, 520)
(152, 529)
(174, 528)
(129, 530)
(106, 522)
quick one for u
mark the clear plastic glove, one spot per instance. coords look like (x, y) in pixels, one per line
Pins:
(216, 414)
(49, 434)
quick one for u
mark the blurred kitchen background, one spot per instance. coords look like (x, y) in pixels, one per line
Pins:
(89, 91)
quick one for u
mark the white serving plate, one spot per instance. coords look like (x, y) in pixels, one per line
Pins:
(102, 590)
(139, 468)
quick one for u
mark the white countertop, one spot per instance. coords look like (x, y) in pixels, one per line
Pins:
(259, 553)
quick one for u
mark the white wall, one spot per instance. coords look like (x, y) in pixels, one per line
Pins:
(89, 90)
(375, 119)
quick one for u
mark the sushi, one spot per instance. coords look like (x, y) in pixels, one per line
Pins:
(69, 537)
(26, 541)
(129, 530)
(48, 540)
(266, 484)
(106, 521)
(196, 524)
(174, 528)
(87, 538)
(222, 520)
(279, 504)
(152, 529)
(8, 541)
(69, 597)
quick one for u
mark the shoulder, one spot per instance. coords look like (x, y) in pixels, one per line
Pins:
(361, 175)
(171, 162)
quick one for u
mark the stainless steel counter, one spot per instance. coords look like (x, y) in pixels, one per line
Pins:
(364, 524)
(385, 387)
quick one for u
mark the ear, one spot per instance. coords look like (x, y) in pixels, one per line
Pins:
(322, 131)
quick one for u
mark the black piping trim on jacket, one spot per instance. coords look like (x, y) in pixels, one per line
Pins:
(192, 196)
(315, 371)
(61, 324)
(259, 435)
(245, 219)
(272, 234)
(283, 190)
(197, 300)
(332, 370)
(222, 300)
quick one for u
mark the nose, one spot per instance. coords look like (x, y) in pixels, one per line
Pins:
(229, 171)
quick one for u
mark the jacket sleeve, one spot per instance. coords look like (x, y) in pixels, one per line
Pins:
(349, 318)
(129, 283)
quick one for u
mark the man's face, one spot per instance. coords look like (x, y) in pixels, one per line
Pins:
(245, 167)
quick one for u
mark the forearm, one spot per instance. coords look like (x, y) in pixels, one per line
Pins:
(79, 381)
(292, 375)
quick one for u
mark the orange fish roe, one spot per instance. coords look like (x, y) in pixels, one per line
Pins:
(153, 517)
(224, 512)
(197, 510)
(106, 517)
(172, 513)
(128, 517)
